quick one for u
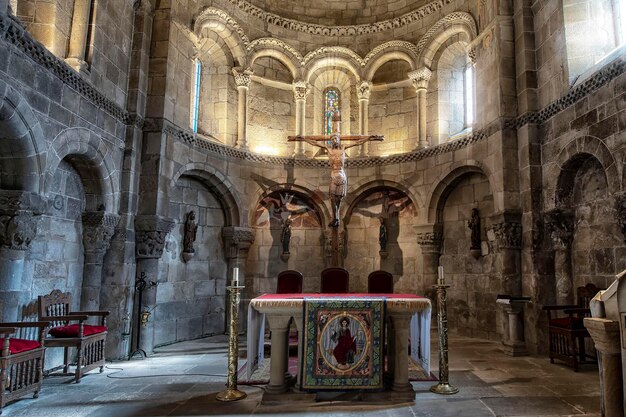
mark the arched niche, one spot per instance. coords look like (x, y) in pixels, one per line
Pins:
(267, 256)
(379, 235)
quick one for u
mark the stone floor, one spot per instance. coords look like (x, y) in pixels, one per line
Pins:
(182, 380)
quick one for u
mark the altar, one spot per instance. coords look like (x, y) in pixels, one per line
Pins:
(407, 318)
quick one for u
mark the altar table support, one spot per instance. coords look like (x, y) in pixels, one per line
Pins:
(410, 315)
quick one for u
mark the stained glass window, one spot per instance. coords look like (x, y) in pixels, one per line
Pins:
(331, 106)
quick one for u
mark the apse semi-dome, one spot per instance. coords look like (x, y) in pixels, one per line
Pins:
(339, 12)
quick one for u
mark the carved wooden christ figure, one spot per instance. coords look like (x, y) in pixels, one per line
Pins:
(336, 158)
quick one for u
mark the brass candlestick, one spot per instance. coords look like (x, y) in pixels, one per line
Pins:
(231, 393)
(443, 387)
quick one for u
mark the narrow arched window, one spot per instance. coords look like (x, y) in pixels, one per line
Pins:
(331, 106)
(195, 97)
(469, 96)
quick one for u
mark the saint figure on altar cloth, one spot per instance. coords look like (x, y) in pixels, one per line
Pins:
(345, 349)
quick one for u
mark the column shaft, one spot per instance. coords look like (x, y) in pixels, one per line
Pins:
(421, 119)
(78, 38)
(401, 355)
(242, 117)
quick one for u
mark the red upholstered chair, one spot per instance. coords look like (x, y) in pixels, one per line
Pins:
(89, 340)
(380, 282)
(289, 282)
(21, 360)
(566, 330)
(335, 281)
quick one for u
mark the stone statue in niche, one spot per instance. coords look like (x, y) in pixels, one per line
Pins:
(474, 225)
(285, 236)
(189, 237)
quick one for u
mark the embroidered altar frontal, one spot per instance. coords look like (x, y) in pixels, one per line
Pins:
(343, 344)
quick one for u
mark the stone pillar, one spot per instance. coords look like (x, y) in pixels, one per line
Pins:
(430, 238)
(363, 94)
(242, 80)
(98, 228)
(279, 326)
(150, 234)
(78, 38)
(19, 213)
(300, 93)
(606, 337)
(237, 242)
(560, 229)
(401, 356)
(514, 344)
(420, 79)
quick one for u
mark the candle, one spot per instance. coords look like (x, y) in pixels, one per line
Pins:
(440, 281)
(235, 276)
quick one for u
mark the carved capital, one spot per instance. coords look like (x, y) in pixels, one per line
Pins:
(430, 241)
(18, 230)
(620, 212)
(98, 228)
(508, 235)
(242, 77)
(13, 201)
(150, 234)
(420, 78)
(300, 90)
(364, 90)
(237, 241)
(560, 228)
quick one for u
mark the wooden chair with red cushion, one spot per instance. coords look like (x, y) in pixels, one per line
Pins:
(335, 280)
(21, 360)
(566, 330)
(380, 282)
(69, 330)
(289, 282)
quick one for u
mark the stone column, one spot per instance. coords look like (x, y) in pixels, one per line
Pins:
(150, 234)
(507, 234)
(401, 356)
(98, 228)
(78, 38)
(19, 213)
(606, 337)
(237, 242)
(279, 326)
(514, 344)
(242, 80)
(300, 93)
(560, 229)
(420, 79)
(363, 94)
(429, 238)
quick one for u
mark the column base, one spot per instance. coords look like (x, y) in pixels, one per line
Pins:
(404, 387)
(78, 64)
(276, 389)
(516, 348)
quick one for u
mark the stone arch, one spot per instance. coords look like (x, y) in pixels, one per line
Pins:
(390, 52)
(446, 182)
(316, 198)
(218, 185)
(571, 158)
(276, 49)
(332, 60)
(211, 45)
(323, 79)
(22, 154)
(449, 25)
(227, 28)
(90, 155)
(367, 187)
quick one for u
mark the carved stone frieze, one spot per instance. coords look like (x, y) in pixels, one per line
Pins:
(391, 45)
(150, 234)
(242, 77)
(18, 230)
(275, 43)
(559, 225)
(353, 30)
(300, 90)
(449, 19)
(211, 13)
(420, 78)
(363, 92)
(620, 212)
(98, 228)
(508, 235)
(333, 51)
(430, 241)
(237, 241)
(13, 201)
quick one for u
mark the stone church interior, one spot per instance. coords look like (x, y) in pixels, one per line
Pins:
(284, 207)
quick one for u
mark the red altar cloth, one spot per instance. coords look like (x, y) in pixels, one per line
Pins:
(318, 295)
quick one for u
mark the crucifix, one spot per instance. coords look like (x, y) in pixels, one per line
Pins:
(336, 158)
